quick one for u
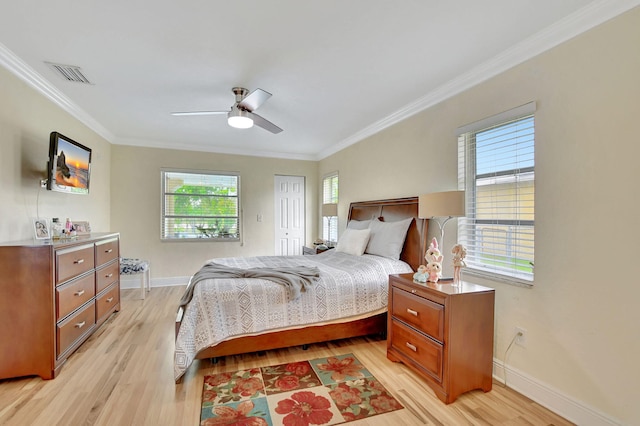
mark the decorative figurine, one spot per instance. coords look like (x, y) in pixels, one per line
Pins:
(434, 261)
(459, 253)
(421, 275)
(435, 271)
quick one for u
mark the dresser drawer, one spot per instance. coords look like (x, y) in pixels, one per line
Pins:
(73, 294)
(423, 314)
(74, 327)
(107, 302)
(425, 353)
(106, 251)
(73, 261)
(106, 276)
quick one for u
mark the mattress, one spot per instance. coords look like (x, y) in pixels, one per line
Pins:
(350, 287)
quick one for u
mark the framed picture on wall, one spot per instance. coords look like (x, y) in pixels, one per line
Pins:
(41, 229)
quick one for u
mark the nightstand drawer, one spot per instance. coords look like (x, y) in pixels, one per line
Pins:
(423, 314)
(423, 352)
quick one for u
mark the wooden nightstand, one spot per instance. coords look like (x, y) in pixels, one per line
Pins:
(443, 333)
(314, 250)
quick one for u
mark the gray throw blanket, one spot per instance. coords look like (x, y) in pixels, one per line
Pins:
(294, 278)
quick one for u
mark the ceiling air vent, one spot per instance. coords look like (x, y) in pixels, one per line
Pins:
(69, 72)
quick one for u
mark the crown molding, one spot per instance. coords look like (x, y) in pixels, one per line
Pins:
(214, 149)
(578, 22)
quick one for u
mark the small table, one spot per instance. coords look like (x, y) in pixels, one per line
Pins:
(443, 333)
(314, 250)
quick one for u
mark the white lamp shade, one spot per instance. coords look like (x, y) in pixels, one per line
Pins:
(439, 204)
(329, 210)
(240, 122)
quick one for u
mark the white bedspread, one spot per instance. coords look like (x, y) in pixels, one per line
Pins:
(225, 308)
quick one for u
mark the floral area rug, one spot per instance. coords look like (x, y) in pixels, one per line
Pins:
(323, 391)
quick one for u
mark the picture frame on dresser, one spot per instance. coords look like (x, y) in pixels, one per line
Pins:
(82, 227)
(41, 229)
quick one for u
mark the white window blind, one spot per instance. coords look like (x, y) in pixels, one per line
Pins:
(330, 196)
(200, 205)
(496, 168)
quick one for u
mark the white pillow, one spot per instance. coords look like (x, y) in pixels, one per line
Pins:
(353, 241)
(387, 238)
(358, 224)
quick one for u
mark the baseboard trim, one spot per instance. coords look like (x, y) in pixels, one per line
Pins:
(545, 395)
(133, 281)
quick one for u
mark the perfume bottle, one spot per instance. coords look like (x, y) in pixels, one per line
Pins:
(56, 228)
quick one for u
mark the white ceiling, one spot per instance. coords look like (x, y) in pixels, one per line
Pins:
(338, 70)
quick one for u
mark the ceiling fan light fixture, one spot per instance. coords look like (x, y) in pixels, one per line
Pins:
(239, 119)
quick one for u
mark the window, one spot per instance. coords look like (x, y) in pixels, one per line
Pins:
(330, 196)
(496, 170)
(200, 205)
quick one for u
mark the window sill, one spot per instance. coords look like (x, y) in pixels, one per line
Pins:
(497, 277)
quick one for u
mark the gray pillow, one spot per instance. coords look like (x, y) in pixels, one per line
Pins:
(358, 224)
(387, 238)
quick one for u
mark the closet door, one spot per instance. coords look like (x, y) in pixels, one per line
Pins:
(289, 215)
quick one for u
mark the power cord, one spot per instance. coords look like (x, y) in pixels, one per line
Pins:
(504, 363)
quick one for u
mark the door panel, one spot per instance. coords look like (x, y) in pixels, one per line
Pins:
(290, 215)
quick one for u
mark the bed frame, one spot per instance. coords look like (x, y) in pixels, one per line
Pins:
(387, 210)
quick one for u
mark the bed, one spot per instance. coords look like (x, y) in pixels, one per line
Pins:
(233, 316)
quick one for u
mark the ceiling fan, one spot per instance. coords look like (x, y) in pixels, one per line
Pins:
(241, 115)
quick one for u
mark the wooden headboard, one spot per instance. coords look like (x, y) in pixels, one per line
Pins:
(394, 210)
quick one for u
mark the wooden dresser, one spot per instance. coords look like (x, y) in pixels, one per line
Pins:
(443, 333)
(53, 296)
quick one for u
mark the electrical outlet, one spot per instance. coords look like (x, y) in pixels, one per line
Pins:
(521, 336)
(43, 183)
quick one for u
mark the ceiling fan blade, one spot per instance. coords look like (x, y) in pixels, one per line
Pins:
(254, 99)
(264, 123)
(199, 113)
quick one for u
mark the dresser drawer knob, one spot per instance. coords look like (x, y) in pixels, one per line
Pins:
(108, 251)
(412, 312)
(79, 293)
(80, 324)
(412, 347)
(109, 300)
(79, 261)
(108, 275)
(413, 292)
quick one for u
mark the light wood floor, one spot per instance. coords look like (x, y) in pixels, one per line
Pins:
(123, 375)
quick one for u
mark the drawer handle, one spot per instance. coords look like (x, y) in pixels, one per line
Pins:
(412, 312)
(80, 324)
(412, 347)
(108, 251)
(108, 275)
(109, 300)
(79, 261)
(79, 293)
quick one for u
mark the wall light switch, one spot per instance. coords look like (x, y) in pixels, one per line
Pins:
(259, 217)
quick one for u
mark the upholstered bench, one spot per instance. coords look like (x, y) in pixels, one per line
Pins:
(129, 266)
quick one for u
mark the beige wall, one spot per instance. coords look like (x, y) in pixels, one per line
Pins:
(582, 317)
(26, 120)
(136, 203)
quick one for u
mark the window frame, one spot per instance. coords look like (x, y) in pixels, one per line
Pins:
(328, 221)
(203, 238)
(467, 165)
